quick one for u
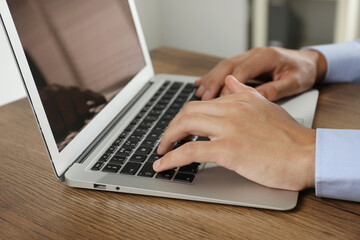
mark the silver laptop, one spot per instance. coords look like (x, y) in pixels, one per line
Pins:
(102, 111)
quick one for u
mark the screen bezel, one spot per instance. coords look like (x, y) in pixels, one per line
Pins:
(62, 160)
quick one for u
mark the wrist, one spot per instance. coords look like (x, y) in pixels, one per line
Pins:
(321, 64)
(309, 163)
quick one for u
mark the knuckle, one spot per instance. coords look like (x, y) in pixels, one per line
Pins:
(273, 91)
(227, 62)
(190, 148)
(185, 119)
(188, 107)
(258, 50)
(249, 94)
(170, 157)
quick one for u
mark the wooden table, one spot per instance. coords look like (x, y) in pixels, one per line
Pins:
(34, 205)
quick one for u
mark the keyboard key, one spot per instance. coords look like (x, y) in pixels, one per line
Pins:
(147, 171)
(158, 129)
(111, 168)
(176, 85)
(135, 138)
(146, 124)
(154, 136)
(145, 109)
(168, 96)
(135, 121)
(141, 130)
(163, 122)
(119, 160)
(180, 100)
(97, 166)
(151, 118)
(111, 150)
(176, 105)
(167, 175)
(184, 177)
(184, 94)
(143, 150)
(168, 116)
(129, 144)
(140, 115)
(123, 152)
(154, 157)
(129, 128)
(123, 135)
(131, 168)
(172, 91)
(172, 111)
(164, 100)
(156, 112)
(104, 157)
(138, 158)
(191, 169)
(160, 106)
(148, 143)
(117, 142)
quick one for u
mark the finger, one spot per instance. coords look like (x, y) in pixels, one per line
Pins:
(259, 63)
(225, 91)
(276, 90)
(234, 86)
(188, 153)
(187, 125)
(214, 81)
(200, 91)
(197, 83)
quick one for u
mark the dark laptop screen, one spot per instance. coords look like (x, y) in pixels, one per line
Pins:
(81, 54)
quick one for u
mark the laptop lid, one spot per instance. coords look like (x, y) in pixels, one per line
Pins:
(81, 62)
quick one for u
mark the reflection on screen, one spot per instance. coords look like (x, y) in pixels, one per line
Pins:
(81, 54)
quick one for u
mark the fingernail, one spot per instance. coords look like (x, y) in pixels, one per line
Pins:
(156, 164)
(206, 95)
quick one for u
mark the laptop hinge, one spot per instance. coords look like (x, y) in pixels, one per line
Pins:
(108, 128)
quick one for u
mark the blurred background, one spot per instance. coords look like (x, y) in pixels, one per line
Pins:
(225, 28)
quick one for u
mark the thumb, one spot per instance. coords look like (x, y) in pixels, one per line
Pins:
(233, 85)
(276, 90)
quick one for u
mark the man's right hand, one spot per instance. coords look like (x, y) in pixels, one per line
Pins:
(292, 72)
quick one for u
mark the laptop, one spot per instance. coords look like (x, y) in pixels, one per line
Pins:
(102, 111)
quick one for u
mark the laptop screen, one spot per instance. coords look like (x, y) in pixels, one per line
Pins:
(81, 54)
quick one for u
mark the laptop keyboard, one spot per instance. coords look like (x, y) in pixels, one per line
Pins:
(135, 149)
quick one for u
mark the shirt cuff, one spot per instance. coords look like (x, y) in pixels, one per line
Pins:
(337, 167)
(343, 61)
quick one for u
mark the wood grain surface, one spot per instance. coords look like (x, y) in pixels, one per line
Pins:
(34, 205)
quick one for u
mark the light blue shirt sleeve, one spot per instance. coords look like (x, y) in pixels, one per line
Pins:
(343, 61)
(337, 167)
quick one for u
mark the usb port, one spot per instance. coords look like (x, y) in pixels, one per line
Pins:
(99, 186)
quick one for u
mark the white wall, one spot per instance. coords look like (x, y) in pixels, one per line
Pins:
(215, 27)
(11, 87)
